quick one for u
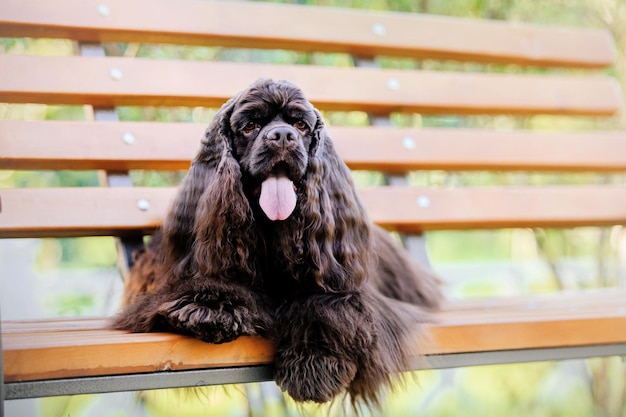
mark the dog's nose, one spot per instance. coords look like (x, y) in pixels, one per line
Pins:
(281, 135)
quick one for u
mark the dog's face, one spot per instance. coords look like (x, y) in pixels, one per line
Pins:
(272, 130)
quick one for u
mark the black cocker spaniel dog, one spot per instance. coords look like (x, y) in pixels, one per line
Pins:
(267, 236)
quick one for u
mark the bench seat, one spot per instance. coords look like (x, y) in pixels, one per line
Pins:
(76, 348)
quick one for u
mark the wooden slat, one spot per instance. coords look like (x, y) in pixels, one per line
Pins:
(81, 211)
(173, 83)
(364, 33)
(98, 145)
(170, 146)
(78, 353)
(392, 150)
(418, 209)
(48, 349)
(113, 211)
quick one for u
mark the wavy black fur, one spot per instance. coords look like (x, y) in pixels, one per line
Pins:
(341, 300)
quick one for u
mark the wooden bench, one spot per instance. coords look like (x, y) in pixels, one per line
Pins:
(70, 356)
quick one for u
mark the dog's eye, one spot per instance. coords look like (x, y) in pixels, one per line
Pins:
(300, 125)
(249, 127)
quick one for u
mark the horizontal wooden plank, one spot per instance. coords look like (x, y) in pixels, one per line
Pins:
(81, 211)
(167, 352)
(184, 83)
(51, 349)
(397, 149)
(170, 146)
(254, 25)
(115, 211)
(418, 209)
(112, 146)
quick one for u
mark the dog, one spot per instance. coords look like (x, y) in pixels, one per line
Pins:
(267, 236)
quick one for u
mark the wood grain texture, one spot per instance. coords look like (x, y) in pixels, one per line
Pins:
(412, 209)
(171, 146)
(254, 25)
(81, 211)
(148, 82)
(83, 347)
(114, 211)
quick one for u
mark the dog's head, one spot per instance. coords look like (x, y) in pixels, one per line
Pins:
(271, 129)
(267, 155)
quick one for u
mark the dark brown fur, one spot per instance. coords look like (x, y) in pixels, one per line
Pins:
(340, 299)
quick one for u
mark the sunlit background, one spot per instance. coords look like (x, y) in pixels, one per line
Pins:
(78, 277)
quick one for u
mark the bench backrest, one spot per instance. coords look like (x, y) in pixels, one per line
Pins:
(558, 72)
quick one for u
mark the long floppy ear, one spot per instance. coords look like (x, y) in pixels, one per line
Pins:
(338, 234)
(209, 208)
(223, 227)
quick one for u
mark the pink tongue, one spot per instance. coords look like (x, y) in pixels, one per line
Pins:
(278, 198)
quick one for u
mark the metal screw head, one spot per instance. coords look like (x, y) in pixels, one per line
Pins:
(423, 201)
(408, 143)
(116, 74)
(143, 204)
(128, 138)
(393, 83)
(379, 29)
(104, 10)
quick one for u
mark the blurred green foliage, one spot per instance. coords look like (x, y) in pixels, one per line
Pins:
(540, 389)
(543, 389)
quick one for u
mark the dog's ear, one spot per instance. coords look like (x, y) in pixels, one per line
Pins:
(338, 234)
(210, 211)
(223, 226)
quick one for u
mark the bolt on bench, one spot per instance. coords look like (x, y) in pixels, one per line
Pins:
(71, 356)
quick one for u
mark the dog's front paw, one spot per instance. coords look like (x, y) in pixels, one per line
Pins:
(213, 321)
(313, 376)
